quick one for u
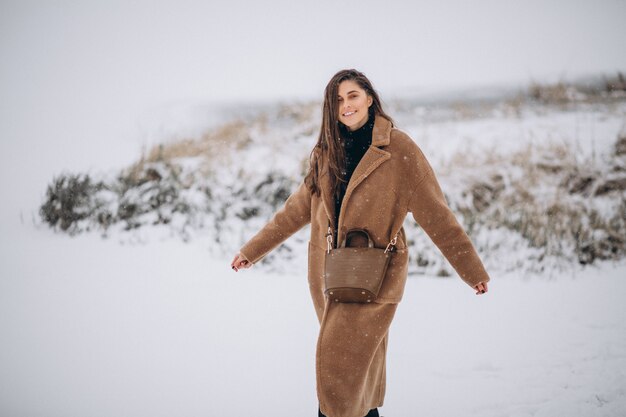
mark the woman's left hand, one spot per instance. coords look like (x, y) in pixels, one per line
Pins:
(481, 288)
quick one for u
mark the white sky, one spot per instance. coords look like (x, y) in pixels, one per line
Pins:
(90, 76)
(266, 49)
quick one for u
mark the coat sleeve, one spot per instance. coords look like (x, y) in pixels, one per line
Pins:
(430, 210)
(291, 217)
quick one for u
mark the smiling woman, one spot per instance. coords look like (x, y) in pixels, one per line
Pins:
(364, 175)
(354, 104)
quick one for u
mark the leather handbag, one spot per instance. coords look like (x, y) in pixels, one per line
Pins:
(355, 274)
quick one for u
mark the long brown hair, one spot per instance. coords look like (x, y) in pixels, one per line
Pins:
(328, 145)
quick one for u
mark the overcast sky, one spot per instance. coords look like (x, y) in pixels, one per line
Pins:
(86, 75)
(233, 49)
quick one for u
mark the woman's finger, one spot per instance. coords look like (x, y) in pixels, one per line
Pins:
(240, 262)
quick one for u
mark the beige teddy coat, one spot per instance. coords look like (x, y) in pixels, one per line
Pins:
(392, 179)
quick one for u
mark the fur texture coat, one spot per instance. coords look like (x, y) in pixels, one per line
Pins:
(392, 179)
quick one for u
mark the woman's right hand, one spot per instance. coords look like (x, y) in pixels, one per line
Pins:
(240, 262)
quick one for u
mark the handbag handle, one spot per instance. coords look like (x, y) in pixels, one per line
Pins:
(329, 239)
(370, 243)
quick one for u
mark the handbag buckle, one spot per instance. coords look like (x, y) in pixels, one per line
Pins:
(391, 244)
(329, 240)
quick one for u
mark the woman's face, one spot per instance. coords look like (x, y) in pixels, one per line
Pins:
(353, 104)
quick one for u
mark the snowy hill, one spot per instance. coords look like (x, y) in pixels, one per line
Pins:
(538, 179)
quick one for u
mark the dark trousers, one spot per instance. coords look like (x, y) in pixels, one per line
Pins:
(373, 413)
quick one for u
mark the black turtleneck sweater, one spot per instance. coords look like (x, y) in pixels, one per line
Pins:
(355, 144)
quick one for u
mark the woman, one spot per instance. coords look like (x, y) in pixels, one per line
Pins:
(364, 173)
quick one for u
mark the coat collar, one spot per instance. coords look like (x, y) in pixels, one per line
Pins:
(373, 157)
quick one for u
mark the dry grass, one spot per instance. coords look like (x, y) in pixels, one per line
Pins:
(551, 198)
(616, 84)
(213, 147)
(216, 145)
(562, 93)
(235, 134)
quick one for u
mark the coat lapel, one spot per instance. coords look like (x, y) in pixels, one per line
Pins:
(372, 159)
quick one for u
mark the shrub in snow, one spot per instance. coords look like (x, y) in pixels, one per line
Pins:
(566, 207)
(69, 199)
(537, 207)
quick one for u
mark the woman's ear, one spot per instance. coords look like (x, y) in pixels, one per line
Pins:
(370, 100)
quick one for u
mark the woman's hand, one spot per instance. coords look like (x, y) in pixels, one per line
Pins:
(240, 262)
(481, 288)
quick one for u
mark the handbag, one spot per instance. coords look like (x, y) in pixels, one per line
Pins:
(355, 274)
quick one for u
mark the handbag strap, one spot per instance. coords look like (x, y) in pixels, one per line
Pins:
(329, 239)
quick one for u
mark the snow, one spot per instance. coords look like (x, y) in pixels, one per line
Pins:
(588, 129)
(145, 324)
(102, 328)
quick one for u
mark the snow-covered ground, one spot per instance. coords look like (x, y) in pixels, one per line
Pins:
(115, 328)
(110, 328)
(92, 327)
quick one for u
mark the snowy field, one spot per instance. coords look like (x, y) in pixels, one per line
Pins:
(107, 328)
(92, 327)
(148, 325)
